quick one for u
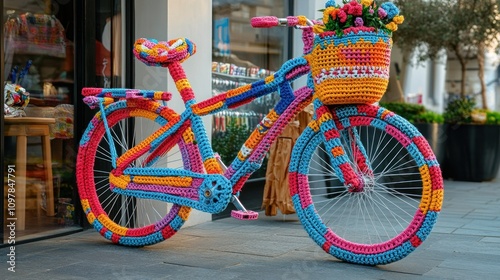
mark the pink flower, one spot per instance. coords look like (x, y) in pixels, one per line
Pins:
(353, 8)
(382, 13)
(342, 16)
(356, 9)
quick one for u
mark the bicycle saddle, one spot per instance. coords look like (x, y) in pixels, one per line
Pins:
(162, 53)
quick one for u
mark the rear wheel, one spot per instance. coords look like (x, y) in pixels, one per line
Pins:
(401, 195)
(120, 218)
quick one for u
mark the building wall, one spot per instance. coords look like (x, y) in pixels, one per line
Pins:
(472, 86)
(166, 20)
(310, 9)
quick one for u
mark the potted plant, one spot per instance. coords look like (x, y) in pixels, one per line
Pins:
(463, 30)
(473, 143)
(429, 123)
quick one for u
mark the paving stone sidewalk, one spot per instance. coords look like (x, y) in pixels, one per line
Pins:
(465, 244)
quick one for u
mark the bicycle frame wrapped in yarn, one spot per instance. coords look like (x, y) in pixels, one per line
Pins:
(351, 69)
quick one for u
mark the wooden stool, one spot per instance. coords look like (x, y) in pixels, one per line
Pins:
(23, 128)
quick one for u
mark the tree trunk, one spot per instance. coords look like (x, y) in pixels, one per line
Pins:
(463, 64)
(480, 62)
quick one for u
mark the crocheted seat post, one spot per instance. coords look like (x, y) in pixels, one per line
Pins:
(170, 55)
(178, 74)
(181, 82)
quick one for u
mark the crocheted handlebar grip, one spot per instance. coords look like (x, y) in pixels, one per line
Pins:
(264, 22)
(162, 53)
(89, 91)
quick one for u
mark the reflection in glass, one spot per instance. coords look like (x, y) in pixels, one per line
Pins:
(40, 33)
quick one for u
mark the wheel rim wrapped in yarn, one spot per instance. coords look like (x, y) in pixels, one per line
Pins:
(128, 220)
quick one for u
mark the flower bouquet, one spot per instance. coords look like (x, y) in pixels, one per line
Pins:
(351, 55)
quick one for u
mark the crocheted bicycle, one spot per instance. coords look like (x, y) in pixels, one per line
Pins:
(365, 184)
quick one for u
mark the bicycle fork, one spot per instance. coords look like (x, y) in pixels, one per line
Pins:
(357, 175)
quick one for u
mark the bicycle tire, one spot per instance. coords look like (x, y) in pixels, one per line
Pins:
(119, 218)
(390, 217)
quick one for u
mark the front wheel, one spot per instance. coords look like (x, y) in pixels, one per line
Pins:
(123, 219)
(402, 189)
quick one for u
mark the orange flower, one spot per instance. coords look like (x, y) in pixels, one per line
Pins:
(392, 26)
(334, 13)
(398, 19)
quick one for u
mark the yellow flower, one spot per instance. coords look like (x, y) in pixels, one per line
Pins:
(398, 19)
(326, 14)
(392, 26)
(318, 29)
(366, 3)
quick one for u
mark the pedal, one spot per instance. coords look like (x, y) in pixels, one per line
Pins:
(244, 215)
(241, 213)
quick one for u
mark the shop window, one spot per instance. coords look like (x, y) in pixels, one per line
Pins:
(242, 55)
(108, 44)
(39, 94)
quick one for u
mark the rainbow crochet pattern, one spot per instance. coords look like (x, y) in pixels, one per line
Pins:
(352, 69)
(345, 169)
(344, 120)
(89, 150)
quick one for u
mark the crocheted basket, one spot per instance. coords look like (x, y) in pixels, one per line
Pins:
(352, 69)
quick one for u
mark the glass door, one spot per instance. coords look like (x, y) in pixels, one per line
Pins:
(38, 121)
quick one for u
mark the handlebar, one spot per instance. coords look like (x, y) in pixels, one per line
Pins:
(300, 22)
(272, 21)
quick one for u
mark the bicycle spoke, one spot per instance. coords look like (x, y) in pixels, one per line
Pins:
(390, 197)
(128, 211)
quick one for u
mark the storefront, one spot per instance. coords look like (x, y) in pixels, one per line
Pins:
(38, 140)
(49, 53)
(71, 44)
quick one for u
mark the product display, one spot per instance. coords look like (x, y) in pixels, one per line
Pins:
(16, 97)
(39, 34)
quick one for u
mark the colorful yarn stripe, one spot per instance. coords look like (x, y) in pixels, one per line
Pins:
(432, 189)
(124, 93)
(149, 234)
(254, 149)
(161, 53)
(290, 71)
(352, 69)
